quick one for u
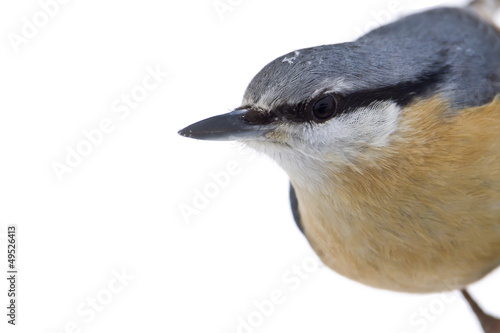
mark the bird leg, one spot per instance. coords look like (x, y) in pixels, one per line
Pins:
(490, 324)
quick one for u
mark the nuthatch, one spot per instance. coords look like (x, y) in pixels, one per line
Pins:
(392, 146)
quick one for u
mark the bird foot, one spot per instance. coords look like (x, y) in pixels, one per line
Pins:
(490, 324)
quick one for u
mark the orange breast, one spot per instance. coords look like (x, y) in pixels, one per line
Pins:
(420, 215)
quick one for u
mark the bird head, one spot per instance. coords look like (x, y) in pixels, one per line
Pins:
(319, 109)
(326, 107)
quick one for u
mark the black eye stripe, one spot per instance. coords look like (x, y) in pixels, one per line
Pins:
(259, 117)
(402, 94)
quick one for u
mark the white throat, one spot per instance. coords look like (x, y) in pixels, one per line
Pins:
(312, 153)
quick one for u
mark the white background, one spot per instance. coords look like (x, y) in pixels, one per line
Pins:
(119, 209)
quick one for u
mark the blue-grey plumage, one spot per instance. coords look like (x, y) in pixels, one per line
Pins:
(392, 146)
(453, 40)
(294, 204)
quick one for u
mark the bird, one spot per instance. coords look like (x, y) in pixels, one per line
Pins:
(392, 146)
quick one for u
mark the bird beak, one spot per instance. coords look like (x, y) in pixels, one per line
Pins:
(226, 127)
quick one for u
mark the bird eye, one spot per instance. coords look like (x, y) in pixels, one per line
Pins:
(325, 107)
